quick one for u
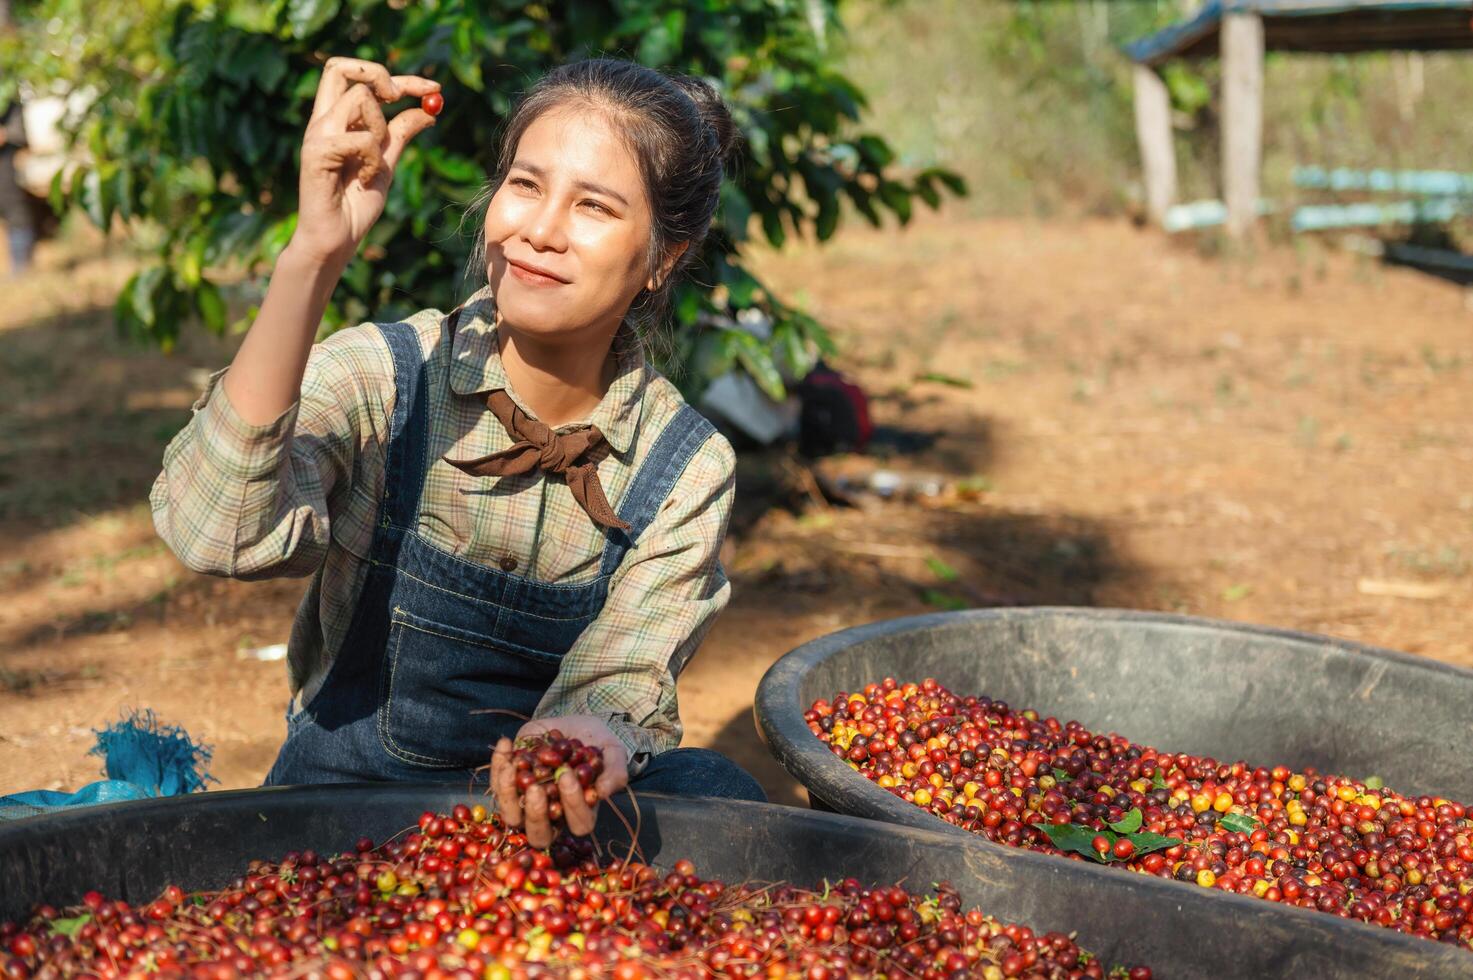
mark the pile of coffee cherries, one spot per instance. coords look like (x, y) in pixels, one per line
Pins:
(543, 758)
(1343, 846)
(461, 897)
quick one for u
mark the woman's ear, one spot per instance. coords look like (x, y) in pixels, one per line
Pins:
(653, 282)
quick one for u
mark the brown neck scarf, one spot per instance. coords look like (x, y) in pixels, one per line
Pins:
(537, 446)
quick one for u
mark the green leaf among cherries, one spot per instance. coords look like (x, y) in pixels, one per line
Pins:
(1146, 841)
(1238, 823)
(1072, 837)
(1080, 840)
(70, 927)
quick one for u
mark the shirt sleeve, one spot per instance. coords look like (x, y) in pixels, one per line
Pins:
(662, 601)
(254, 501)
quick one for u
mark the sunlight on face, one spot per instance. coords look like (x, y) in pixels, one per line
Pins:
(568, 231)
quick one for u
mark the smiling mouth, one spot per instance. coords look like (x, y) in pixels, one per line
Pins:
(534, 275)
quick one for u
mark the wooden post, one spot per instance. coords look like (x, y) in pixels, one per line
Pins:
(1242, 112)
(1153, 133)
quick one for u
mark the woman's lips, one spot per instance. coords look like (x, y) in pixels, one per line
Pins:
(533, 276)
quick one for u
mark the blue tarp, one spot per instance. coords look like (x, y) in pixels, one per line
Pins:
(142, 758)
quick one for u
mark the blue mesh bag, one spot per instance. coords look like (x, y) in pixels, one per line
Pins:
(142, 758)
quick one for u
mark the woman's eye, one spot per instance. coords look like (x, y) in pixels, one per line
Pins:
(523, 183)
(597, 207)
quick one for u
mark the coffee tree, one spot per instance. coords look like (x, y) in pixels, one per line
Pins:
(199, 109)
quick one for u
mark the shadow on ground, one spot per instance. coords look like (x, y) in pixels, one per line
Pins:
(738, 740)
(89, 416)
(833, 569)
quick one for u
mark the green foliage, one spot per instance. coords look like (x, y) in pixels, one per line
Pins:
(200, 107)
(1031, 100)
(1189, 89)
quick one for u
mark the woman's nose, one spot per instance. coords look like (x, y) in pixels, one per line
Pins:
(544, 229)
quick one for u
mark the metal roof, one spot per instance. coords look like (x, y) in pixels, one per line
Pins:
(1320, 26)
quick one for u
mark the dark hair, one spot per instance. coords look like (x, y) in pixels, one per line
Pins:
(681, 135)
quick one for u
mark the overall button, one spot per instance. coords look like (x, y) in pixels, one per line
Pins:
(508, 564)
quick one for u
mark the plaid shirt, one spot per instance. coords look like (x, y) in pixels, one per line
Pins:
(300, 496)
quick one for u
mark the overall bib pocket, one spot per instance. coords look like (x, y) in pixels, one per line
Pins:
(437, 676)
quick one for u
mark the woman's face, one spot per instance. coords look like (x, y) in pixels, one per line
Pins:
(568, 231)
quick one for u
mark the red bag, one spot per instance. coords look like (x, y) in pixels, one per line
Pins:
(835, 414)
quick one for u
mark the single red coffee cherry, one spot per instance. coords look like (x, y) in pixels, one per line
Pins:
(432, 103)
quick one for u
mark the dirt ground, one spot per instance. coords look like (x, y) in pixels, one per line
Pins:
(1284, 440)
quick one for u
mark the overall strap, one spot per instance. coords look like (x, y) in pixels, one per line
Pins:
(404, 471)
(657, 476)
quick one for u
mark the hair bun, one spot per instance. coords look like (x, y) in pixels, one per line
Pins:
(714, 112)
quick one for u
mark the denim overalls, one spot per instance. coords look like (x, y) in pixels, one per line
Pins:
(436, 639)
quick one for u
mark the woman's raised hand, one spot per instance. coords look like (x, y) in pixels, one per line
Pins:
(349, 153)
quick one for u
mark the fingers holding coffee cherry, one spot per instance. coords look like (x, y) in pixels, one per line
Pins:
(544, 779)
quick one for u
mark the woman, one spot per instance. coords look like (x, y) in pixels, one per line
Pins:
(505, 511)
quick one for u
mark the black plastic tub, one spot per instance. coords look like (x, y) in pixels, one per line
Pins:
(131, 850)
(1213, 688)
(1181, 684)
